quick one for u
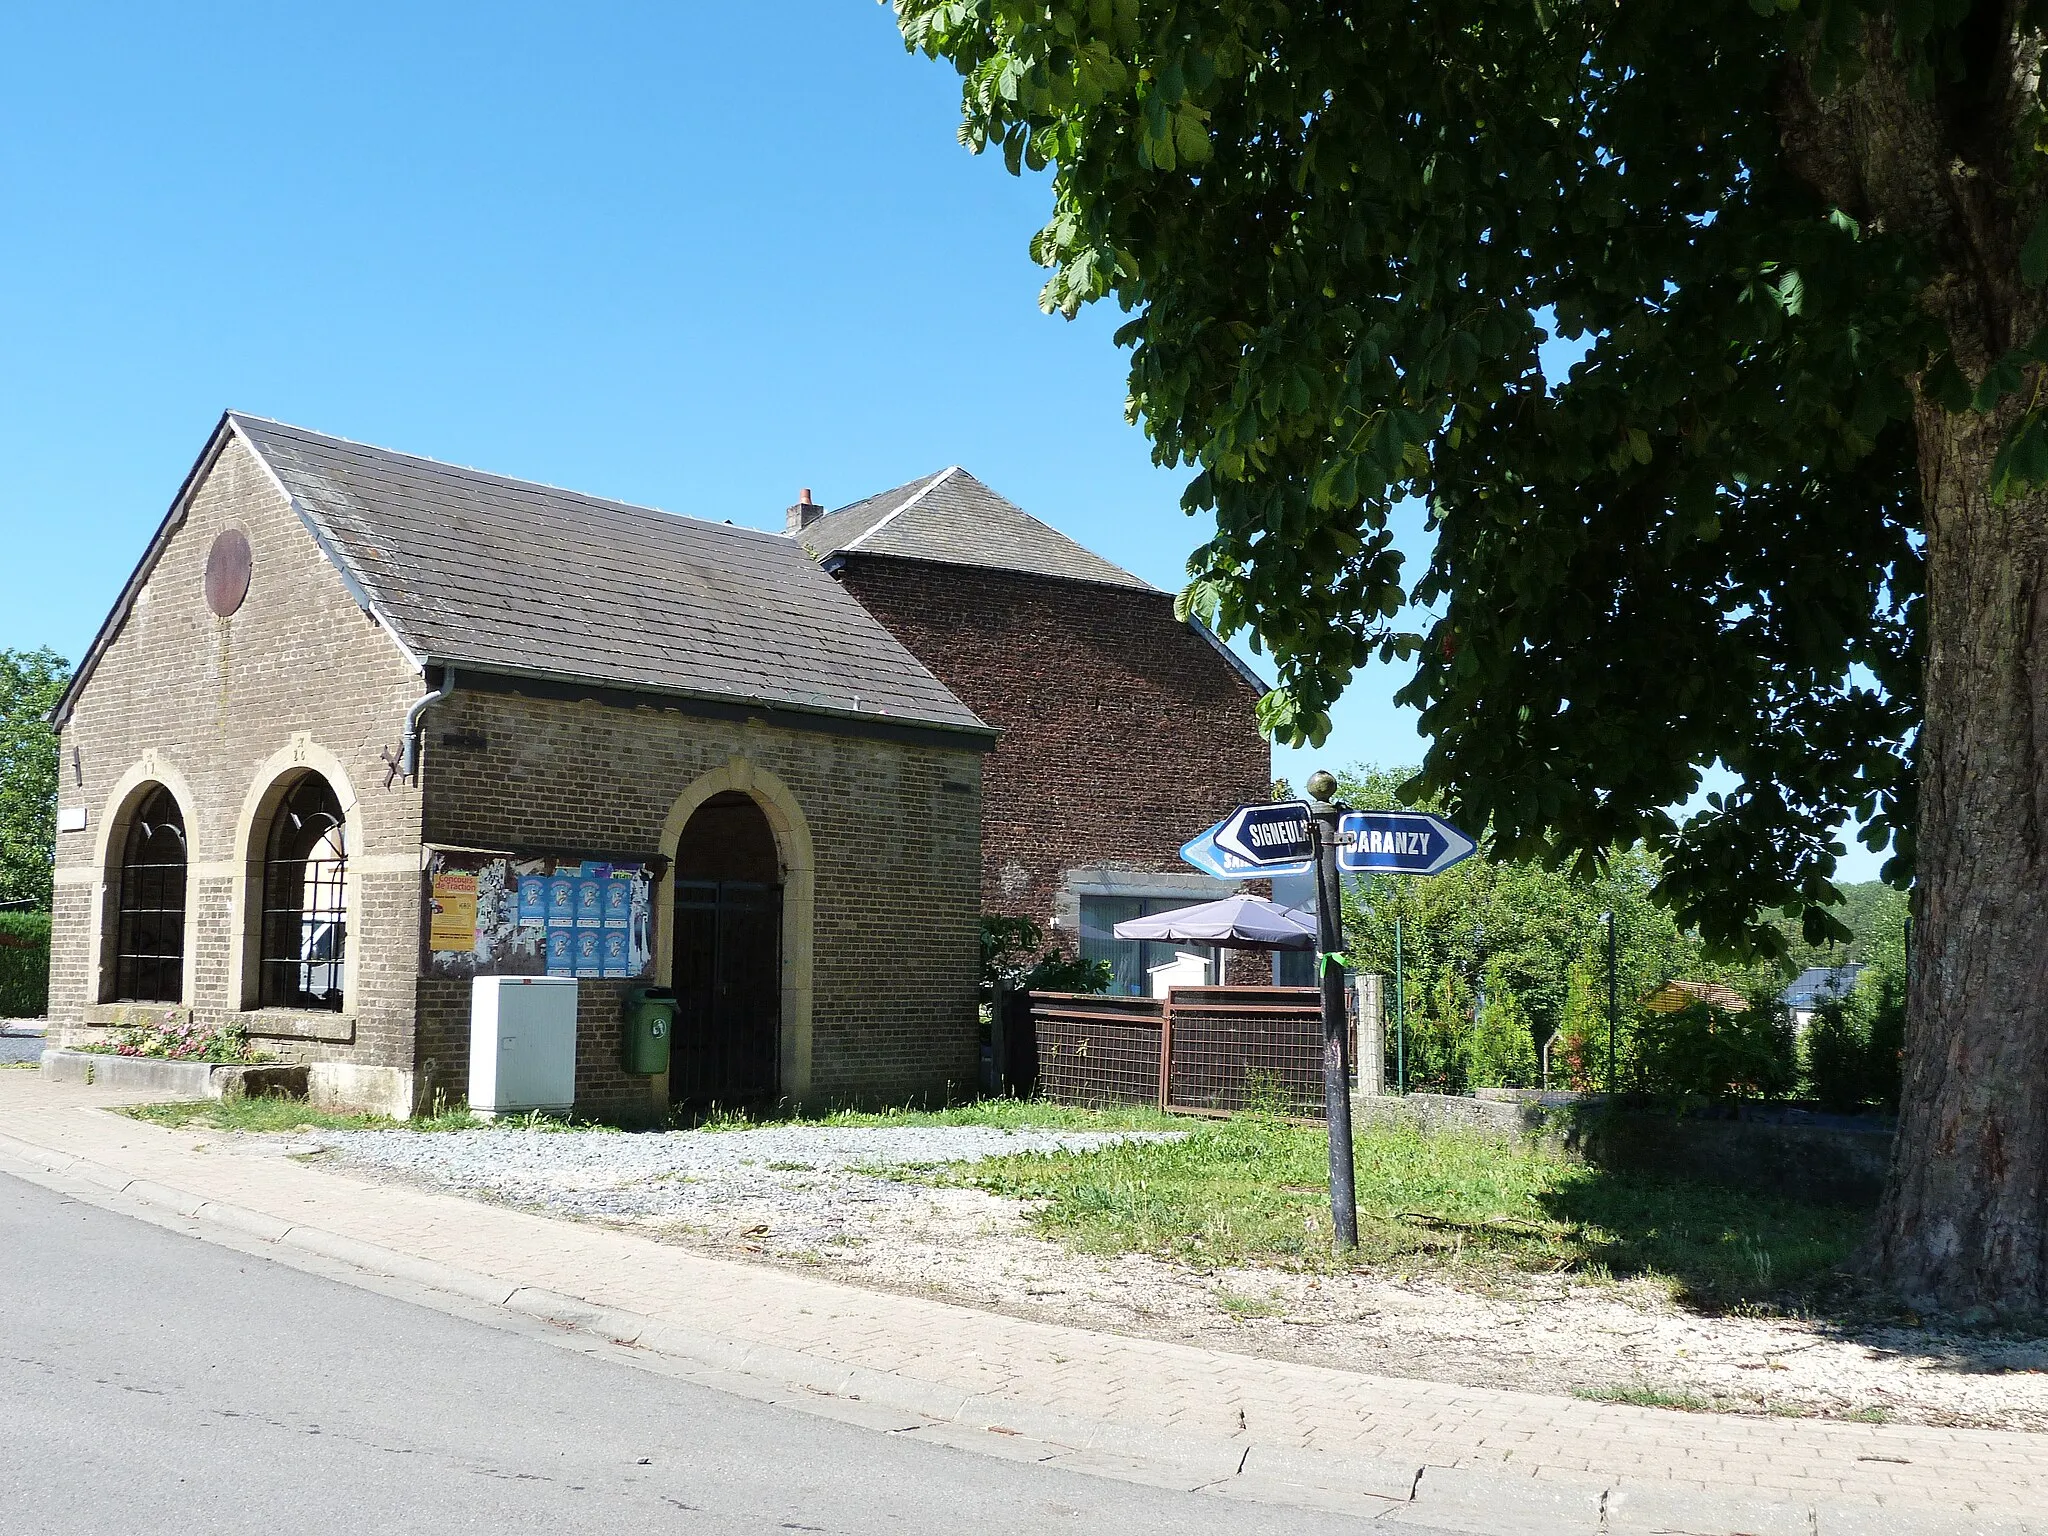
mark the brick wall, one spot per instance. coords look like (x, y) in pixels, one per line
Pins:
(299, 671)
(1124, 731)
(893, 827)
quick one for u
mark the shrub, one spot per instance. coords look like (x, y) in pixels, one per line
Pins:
(1879, 1002)
(1502, 1048)
(1885, 1005)
(1014, 954)
(1837, 1051)
(24, 965)
(1852, 1045)
(1703, 1052)
(1438, 1053)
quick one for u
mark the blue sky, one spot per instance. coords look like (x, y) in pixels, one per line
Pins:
(692, 256)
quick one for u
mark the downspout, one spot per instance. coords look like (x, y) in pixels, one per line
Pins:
(409, 745)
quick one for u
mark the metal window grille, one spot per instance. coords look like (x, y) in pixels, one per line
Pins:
(305, 900)
(149, 941)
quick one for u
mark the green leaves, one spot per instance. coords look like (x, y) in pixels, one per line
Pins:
(31, 682)
(2022, 462)
(1335, 229)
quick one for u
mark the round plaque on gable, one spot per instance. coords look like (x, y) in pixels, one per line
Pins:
(227, 571)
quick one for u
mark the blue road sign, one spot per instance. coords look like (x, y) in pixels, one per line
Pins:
(1205, 855)
(1265, 835)
(1399, 843)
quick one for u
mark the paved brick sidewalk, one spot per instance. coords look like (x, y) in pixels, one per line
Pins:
(1460, 1457)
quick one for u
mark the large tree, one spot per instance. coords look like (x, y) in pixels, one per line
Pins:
(31, 682)
(1786, 514)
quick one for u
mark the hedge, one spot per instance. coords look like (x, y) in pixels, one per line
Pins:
(24, 965)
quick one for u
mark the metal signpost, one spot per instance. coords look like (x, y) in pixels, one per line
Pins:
(1290, 837)
(1336, 1027)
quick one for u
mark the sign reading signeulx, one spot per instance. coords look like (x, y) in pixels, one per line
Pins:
(1265, 835)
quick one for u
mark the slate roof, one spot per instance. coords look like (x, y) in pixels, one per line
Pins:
(952, 518)
(1814, 985)
(476, 570)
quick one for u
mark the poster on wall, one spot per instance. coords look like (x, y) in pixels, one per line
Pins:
(497, 914)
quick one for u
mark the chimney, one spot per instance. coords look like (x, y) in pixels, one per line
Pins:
(803, 514)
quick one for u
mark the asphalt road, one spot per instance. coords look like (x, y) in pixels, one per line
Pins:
(153, 1382)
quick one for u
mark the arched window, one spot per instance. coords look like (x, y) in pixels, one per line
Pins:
(149, 934)
(305, 901)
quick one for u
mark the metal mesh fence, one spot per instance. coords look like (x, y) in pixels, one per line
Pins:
(1232, 1048)
(1097, 1050)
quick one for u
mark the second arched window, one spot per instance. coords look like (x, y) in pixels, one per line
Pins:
(305, 900)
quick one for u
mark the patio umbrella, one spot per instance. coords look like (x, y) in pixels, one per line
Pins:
(1235, 922)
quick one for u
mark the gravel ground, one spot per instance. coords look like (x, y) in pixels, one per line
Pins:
(811, 1186)
(824, 1198)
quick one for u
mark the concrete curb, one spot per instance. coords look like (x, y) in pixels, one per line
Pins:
(173, 1079)
(1426, 1495)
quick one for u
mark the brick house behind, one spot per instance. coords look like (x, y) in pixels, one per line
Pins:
(1125, 731)
(682, 705)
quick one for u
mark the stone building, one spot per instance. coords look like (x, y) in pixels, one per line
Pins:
(358, 719)
(1125, 731)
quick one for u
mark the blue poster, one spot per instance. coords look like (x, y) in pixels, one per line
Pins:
(562, 900)
(618, 953)
(618, 901)
(561, 952)
(590, 902)
(589, 952)
(533, 901)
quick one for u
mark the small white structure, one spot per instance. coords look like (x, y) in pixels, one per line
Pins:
(1183, 970)
(522, 1044)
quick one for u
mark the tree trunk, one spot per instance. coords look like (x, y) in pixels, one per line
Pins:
(1964, 1223)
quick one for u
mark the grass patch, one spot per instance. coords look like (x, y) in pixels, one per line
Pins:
(281, 1114)
(997, 1114)
(247, 1113)
(1253, 1190)
(1239, 1305)
(1641, 1395)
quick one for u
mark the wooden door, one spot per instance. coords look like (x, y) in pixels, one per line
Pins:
(728, 985)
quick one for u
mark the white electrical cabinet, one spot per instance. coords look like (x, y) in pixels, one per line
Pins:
(522, 1044)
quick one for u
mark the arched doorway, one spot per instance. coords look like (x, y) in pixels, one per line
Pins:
(727, 951)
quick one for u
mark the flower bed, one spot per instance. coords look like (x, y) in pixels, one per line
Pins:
(224, 1045)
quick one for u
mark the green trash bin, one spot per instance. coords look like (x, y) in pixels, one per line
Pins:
(650, 1020)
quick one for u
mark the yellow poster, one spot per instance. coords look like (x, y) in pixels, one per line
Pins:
(453, 926)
